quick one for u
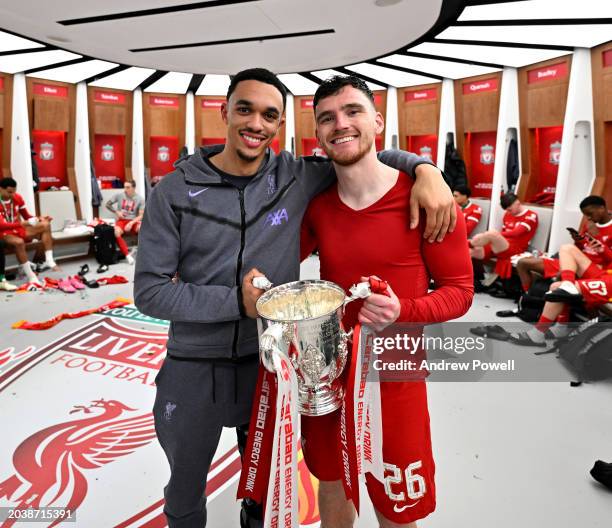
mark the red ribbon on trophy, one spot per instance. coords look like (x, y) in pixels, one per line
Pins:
(272, 445)
(361, 418)
(258, 452)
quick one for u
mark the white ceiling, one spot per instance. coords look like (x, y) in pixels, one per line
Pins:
(378, 30)
(382, 44)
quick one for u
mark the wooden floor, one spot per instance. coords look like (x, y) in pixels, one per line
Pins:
(75, 403)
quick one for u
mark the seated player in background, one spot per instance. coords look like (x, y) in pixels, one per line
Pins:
(598, 227)
(18, 227)
(519, 227)
(360, 227)
(472, 213)
(128, 207)
(594, 287)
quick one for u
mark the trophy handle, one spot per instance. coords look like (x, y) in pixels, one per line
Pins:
(362, 290)
(343, 349)
(275, 339)
(261, 282)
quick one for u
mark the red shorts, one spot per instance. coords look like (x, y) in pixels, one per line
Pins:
(15, 231)
(409, 491)
(123, 222)
(551, 267)
(593, 272)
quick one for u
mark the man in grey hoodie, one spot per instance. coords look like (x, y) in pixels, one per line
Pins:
(225, 210)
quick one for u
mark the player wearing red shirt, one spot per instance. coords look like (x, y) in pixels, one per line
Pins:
(599, 226)
(472, 213)
(518, 229)
(360, 227)
(595, 284)
(595, 239)
(18, 226)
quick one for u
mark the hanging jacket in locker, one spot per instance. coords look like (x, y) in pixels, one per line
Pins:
(512, 165)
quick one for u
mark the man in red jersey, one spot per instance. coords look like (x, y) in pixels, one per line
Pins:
(360, 227)
(18, 226)
(519, 227)
(472, 213)
(594, 288)
(598, 227)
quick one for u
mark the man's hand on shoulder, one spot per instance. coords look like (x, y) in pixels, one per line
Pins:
(430, 192)
(250, 293)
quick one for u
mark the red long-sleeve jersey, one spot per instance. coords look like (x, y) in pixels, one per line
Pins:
(472, 213)
(11, 213)
(520, 229)
(377, 240)
(603, 233)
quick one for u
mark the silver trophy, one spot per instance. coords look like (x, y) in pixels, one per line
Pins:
(307, 314)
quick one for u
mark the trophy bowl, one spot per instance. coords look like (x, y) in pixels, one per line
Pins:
(302, 319)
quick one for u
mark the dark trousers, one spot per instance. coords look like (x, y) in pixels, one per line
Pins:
(194, 401)
(2, 256)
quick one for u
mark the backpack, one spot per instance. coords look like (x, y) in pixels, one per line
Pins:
(531, 303)
(588, 351)
(104, 244)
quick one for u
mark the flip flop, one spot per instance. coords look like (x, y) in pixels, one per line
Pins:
(90, 283)
(84, 270)
(65, 286)
(76, 282)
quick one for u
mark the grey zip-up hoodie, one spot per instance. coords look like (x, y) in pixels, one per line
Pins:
(201, 235)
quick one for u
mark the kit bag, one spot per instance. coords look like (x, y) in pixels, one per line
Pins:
(104, 244)
(531, 302)
(588, 351)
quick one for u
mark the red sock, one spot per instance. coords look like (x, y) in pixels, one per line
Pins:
(543, 324)
(122, 246)
(568, 275)
(563, 317)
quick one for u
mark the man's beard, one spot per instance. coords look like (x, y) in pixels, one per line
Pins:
(348, 158)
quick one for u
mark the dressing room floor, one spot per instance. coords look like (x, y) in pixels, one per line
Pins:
(76, 428)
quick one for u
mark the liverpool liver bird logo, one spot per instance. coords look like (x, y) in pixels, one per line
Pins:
(49, 465)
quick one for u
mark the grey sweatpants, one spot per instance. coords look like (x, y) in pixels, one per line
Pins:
(194, 401)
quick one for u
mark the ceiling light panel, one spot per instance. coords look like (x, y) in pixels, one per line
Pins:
(11, 42)
(515, 57)
(451, 70)
(374, 72)
(214, 85)
(391, 77)
(298, 85)
(326, 74)
(172, 82)
(530, 9)
(128, 79)
(574, 35)
(26, 61)
(76, 72)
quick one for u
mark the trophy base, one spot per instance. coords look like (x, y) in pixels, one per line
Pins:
(320, 400)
